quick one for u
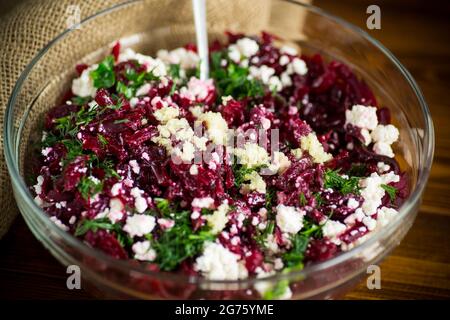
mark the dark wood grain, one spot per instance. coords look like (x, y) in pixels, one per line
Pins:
(417, 32)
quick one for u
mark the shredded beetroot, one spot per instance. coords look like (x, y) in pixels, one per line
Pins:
(137, 162)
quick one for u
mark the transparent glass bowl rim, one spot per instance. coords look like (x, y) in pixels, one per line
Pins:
(25, 195)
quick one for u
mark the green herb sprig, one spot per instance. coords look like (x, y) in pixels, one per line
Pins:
(336, 182)
(390, 190)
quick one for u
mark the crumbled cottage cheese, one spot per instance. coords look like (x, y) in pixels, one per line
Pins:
(38, 186)
(139, 225)
(84, 85)
(218, 220)
(197, 89)
(362, 117)
(366, 119)
(206, 202)
(139, 201)
(143, 90)
(218, 263)
(115, 211)
(187, 59)
(298, 153)
(252, 155)
(387, 134)
(216, 127)
(352, 203)
(297, 66)
(256, 183)
(59, 223)
(166, 113)
(135, 166)
(372, 192)
(143, 251)
(332, 229)
(383, 149)
(289, 219)
(180, 131)
(157, 66)
(280, 162)
(385, 215)
(311, 144)
(288, 50)
(244, 48)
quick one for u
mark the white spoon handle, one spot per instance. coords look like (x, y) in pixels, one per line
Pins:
(199, 7)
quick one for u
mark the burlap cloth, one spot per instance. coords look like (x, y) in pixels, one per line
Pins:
(31, 25)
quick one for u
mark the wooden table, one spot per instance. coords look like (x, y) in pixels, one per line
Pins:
(417, 32)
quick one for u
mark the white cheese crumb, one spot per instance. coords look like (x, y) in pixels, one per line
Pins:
(289, 219)
(366, 136)
(187, 59)
(372, 192)
(387, 134)
(280, 162)
(298, 153)
(206, 202)
(84, 85)
(256, 183)
(38, 186)
(46, 151)
(197, 89)
(218, 220)
(140, 202)
(248, 47)
(139, 225)
(218, 263)
(352, 203)
(288, 50)
(383, 167)
(311, 144)
(133, 102)
(332, 229)
(252, 155)
(157, 66)
(297, 66)
(284, 60)
(116, 188)
(186, 153)
(263, 73)
(362, 117)
(59, 223)
(135, 166)
(383, 149)
(286, 80)
(370, 223)
(143, 251)
(115, 211)
(385, 215)
(216, 127)
(193, 170)
(244, 47)
(275, 84)
(166, 113)
(143, 90)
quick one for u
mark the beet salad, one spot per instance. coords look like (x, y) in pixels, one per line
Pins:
(279, 160)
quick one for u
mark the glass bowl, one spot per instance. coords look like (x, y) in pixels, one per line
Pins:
(149, 25)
